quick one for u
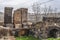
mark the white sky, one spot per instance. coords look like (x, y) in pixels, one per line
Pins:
(26, 3)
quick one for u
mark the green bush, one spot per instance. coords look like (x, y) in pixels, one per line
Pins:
(26, 38)
(53, 39)
(33, 38)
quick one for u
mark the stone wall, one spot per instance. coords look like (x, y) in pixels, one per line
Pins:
(20, 16)
(42, 29)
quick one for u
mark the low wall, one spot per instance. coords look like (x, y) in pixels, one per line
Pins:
(23, 32)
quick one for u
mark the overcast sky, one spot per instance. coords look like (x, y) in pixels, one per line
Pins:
(26, 3)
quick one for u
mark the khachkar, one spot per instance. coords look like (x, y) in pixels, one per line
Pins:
(8, 16)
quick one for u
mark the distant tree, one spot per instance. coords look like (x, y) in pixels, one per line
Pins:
(36, 8)
(55, 11)
(45, 9)
(50, 9)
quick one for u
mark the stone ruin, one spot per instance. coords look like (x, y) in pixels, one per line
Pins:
(48, 28)
(6, 34)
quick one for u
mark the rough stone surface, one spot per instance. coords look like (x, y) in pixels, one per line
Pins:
(7, 38)
(42, 29)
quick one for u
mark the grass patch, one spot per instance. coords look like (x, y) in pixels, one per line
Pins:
(33, 38)
(53, 39)
(26, 38)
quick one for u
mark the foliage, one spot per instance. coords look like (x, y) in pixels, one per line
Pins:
(26, 38)
(53, 39)
(33, 38)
